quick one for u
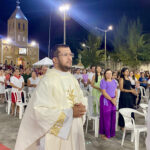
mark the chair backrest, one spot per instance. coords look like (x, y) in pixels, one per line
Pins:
(144, 109)
(126, 113)
(90, 105)
(20, 96)
(142, 90)
(8, 94)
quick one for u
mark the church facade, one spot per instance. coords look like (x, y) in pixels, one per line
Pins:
(15, 49)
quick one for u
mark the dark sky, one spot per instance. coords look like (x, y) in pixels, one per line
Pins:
(84, 16)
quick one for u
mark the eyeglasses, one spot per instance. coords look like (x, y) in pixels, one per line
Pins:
(67, 54)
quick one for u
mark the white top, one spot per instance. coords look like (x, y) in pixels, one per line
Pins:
(132, 80)
(78, 76)
(17, 82)
(90, 75)
(33, 81)
(148, 81)
(2, 86)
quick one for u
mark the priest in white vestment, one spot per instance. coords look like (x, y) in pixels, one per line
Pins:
(148, 129)
(54, 117)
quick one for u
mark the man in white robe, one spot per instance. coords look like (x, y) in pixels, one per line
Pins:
(148, 129)
(54, 117)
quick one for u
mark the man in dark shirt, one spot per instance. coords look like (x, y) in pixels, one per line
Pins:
(143, 80)
(26, 76)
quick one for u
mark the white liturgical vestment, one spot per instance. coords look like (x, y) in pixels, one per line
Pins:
(49, 117)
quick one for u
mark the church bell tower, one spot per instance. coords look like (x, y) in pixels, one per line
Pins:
(17, 28)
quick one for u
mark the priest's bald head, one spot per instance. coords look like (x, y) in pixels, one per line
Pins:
(62, 57)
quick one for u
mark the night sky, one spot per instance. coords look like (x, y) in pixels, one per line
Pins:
(84, 16)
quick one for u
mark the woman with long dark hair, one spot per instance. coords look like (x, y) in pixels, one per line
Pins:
(127, 94)
(108, 105)
(96, 92)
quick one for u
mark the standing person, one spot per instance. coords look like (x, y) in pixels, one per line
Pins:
(26, 76)
(108, 105)
(7, 76)
(78, 75)
(133, 81)
(17, 83)
(90, 76)
(137, 74)
(127, 94)
(54, 116)
(32, 82)
(96, 91)
(85, 81)
(2, 85)
(143, 80)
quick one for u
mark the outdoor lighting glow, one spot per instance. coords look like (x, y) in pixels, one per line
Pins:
(8, 40)
(110, 27)
(33, 43)
(64, 7)
(83, 44)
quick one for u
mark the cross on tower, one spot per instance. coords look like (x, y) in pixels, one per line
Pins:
(18, 2)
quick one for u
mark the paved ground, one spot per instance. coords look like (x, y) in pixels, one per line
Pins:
(9, 127)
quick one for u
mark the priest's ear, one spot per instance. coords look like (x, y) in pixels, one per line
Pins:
(55, 60)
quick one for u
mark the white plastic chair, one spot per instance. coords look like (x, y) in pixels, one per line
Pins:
(117, 111)
(19, 103)
(8, 100)
(145, 110)
(91, 116)
(144, 96)
(130, 125)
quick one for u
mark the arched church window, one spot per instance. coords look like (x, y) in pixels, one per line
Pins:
(11, 62)
(19, 26)
(9, 27)
(5, 62)
(13, 25)
(23, 27)
(19, 38)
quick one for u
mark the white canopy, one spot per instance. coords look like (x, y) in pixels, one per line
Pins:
(44, 62)
(80, 67)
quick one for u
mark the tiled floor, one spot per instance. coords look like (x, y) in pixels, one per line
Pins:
(9, 127)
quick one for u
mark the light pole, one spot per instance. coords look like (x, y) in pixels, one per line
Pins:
(64, 8)
(105, 31)
(84, 45)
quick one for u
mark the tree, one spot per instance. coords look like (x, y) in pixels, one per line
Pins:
(130, 46)
(92, 54)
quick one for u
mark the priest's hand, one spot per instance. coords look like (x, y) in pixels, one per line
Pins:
(78, 110)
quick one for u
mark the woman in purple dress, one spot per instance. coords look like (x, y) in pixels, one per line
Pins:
(108, 105)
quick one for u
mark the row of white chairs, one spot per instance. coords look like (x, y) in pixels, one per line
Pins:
(19, 96)
(129, 122)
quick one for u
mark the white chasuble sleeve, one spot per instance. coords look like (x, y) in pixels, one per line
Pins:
(49, 114)
(63, 124)
(82, 100)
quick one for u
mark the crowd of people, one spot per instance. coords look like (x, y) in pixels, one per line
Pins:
(110, 90)
(19, 79)
(103, 85)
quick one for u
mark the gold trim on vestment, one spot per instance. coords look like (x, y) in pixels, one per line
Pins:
(58, 125)
(71, 96)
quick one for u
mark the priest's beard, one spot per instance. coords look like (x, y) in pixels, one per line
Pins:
(64, 68)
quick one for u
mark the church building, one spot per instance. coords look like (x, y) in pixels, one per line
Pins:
(15, 49)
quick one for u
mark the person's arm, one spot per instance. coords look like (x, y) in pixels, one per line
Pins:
(29, 84)
(106, 95)
(121, 87)
(92, 83)
(11, 84)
